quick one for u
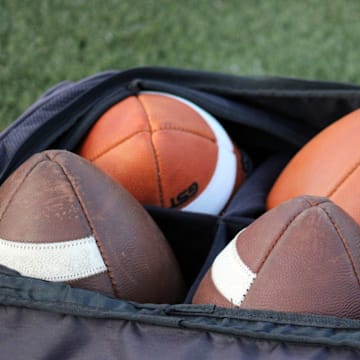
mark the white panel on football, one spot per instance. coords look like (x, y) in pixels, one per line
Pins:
(58, 261)
(231, 276)
(220, 187)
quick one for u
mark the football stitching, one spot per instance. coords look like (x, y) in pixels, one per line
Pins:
(116, 144)
(318, 201)
(279, 237)
(156, 155)
(171, 128)
(12, 196)
(111, 276)
(342, 181)
(179, 129)
(347, 250)
(286, 227)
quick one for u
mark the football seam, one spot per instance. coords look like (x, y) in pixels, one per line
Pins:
(280, 235)
(171, 128)
(103, 152)
(343, 180)
(92, 228)
(12, 196)
(155, 153)
(343, 241)
(180, 129)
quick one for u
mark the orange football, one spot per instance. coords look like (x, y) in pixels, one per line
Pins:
(167, 152)
(328, 165)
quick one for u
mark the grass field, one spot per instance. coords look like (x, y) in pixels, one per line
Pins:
(44, 42)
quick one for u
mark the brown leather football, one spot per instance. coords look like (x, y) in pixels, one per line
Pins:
(328, 165)
(302, 256)
(62, 219)
(167, 152)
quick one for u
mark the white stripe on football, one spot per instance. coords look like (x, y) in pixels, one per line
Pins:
(57, 261)
(231, 276)
(221, 185)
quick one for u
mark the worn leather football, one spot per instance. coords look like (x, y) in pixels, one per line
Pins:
(62, 219)
(328, 165)
(302, 256)
(167, 152)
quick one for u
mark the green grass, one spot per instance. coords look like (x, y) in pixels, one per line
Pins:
(44, 42)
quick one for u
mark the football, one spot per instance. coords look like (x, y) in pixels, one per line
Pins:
(167, 152)
(328, 165)
(64, 220)
(303, 256)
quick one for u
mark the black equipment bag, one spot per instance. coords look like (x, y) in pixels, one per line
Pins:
(271, 119)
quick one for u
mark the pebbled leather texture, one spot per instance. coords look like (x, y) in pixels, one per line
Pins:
(305, 254)
(59, 196)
